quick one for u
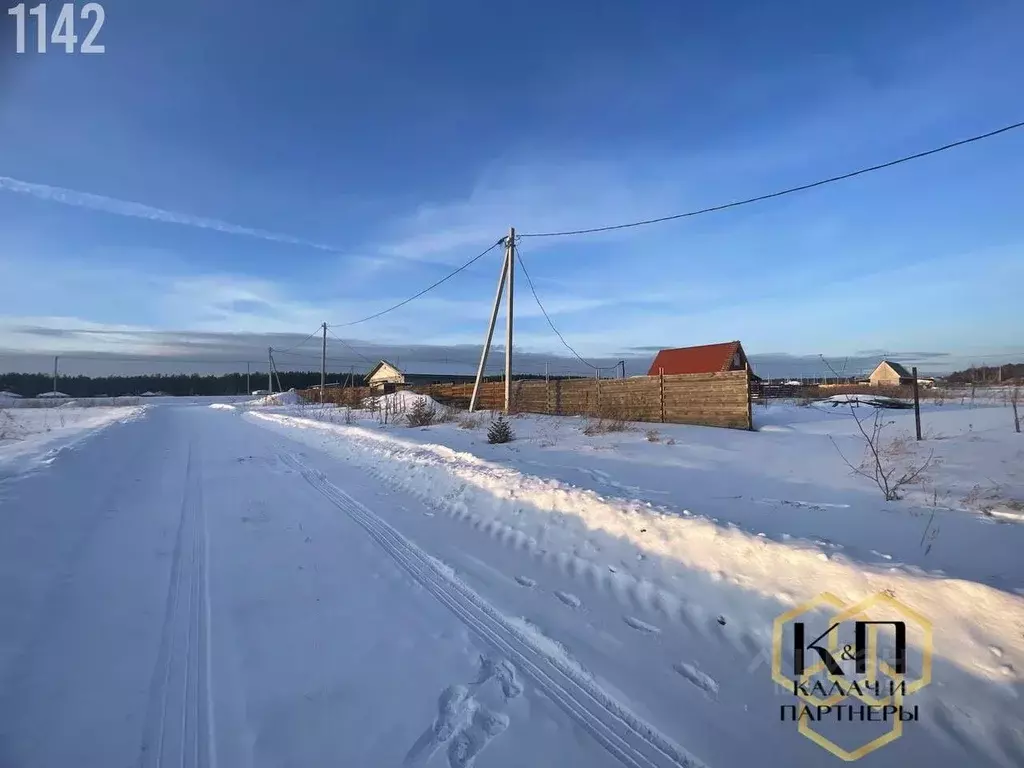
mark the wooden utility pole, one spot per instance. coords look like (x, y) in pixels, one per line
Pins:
(248, 387)
(917, 404)
(270, 370)
(55, 359)
(511, 246)
(323, 366)
(490, 326)
(277, 374)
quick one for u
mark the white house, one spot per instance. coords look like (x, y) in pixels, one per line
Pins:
(890, 374)
(387, 376)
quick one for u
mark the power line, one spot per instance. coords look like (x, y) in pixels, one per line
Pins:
(547, 317)
(354, 350)
(780, 193)
(296, 346)
(430, 287)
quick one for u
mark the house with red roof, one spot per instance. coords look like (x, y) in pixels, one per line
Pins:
(707, 358)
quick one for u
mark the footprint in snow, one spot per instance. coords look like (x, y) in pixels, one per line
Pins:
(703, 681)
(504, 672)
(641, 626)
(569, 599)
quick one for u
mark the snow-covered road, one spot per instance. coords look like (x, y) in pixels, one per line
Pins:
(191, 588)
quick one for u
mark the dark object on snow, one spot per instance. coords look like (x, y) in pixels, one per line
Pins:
(721, 620)
(500, 431)
(875, 402)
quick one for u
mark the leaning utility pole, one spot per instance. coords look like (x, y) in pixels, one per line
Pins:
(323, 366)
(511, 246)
(509, 243)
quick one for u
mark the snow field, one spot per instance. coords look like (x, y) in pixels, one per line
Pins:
(711, 574)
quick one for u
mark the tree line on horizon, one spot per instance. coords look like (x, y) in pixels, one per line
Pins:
(988, 374)
(178, 385)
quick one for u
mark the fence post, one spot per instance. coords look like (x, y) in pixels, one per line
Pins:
(917, 404)
(599, 393)
(750, 397)
(661, 392)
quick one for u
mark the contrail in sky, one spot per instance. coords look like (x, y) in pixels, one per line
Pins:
(141, 211)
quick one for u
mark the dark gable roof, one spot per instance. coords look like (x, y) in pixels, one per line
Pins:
(708, 358)
(902, 372)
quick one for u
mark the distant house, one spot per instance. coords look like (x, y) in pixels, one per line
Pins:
(388, 377)
(890, 374)
(708, 358)
(54, 395)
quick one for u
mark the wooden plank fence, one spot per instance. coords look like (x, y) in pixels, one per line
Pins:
(709, 399)
(712, 399)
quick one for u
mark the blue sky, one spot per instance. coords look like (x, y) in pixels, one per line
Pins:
(322, 160)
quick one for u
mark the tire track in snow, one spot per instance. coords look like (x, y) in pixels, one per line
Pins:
(178, 729)
(621, 732)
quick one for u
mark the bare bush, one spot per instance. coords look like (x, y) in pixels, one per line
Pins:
(1014, 398)
(422, 414)
(470, 421)
(599, 426)
(445, 414)
(605, 423)
(890, 464)
(9, 428)
(653, 436)
(387, 408)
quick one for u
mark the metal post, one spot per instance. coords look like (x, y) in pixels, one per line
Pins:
(508, 331)
(323, 366)
(917, 404)
(490, 332)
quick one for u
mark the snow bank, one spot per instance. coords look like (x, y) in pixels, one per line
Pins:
(693, 553)
(291, 397)
(33, 437)
(222, 407)
(399, 402)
